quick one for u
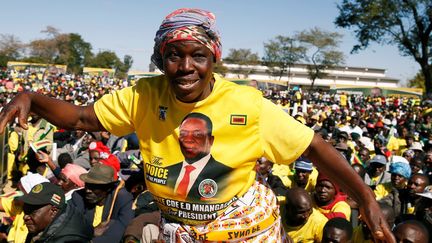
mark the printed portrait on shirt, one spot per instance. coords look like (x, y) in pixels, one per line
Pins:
(199, 177)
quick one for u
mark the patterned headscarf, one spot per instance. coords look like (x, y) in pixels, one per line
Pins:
(187, 24)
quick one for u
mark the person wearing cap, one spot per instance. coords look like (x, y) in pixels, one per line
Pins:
(417, 148)
(187, 46)
(304, 176)
(423, 211)
(104, 203)
(13, 207)
(69, 179)
(376, 171)
(329, 200)
(49, 219)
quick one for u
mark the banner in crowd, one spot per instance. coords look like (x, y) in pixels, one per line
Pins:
(102, 72)
(40, 69)
(378, 91)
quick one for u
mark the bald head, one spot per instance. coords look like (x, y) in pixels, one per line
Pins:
(298, 206)
(417, 184)
(411, 231)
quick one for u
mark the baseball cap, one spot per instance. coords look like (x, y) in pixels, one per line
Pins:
(45, 193)
(379, 159)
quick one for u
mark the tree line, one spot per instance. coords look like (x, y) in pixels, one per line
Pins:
(61, 48)
(406, 24)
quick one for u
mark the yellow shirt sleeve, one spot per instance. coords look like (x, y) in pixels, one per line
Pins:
(284, 138)
(343, 207)
(13, 141)
(9, 206)
(115, 111)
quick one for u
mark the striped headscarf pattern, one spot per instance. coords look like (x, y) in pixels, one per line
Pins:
(187, 24)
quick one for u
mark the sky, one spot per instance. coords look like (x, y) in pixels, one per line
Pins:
(128, 27)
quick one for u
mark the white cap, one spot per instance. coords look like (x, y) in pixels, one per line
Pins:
(31, 180)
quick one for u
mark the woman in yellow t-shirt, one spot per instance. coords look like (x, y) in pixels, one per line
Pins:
(242, 129)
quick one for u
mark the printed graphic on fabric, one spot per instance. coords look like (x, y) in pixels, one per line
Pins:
(199, 178)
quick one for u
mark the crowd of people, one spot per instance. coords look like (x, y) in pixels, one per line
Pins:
(78, 185)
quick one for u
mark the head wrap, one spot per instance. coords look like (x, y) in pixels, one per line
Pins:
(113, 162)
(323, 177)
(31, 180)
(106, 157)
(72, 172)
(401, 168)
(187, 24)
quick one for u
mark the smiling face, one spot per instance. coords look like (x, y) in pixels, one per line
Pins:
(195, 139)
(398, 181)
(188, 66)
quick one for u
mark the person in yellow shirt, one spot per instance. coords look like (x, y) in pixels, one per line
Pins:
(301, 221)
(329, 200)
(305, 176)
(187, 45)
(343, 99)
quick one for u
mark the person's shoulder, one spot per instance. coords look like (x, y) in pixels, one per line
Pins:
(151, 81)
(227, 85)
(318, 217)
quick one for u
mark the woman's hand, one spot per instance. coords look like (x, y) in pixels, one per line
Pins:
(371, 214)
(19, 107)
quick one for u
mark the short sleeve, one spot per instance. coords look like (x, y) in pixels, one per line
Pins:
(115, 111)
(284, 139)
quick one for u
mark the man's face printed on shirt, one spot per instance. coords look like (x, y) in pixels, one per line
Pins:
(195, 139)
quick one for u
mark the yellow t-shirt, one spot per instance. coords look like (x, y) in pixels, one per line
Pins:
(343, 100)
(358, 236)
(244, 129)
(339, 207)
(97, 219)
(310, 186)
(18, 232)
(311, 231)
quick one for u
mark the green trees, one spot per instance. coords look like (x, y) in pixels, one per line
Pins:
(322, 53)
(10, 48)
(244, 57)
(406, 24)
(62, 48)
(281, 53)
(316, 47)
